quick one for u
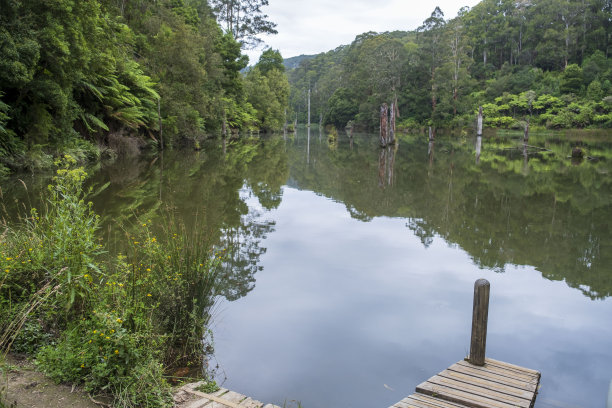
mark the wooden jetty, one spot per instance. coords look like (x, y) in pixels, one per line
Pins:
(477, 382)
(189, 397)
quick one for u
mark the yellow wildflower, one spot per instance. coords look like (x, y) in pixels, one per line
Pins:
(116, 351)
(119, 321)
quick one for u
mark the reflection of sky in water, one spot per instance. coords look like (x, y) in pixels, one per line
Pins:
(343, 308)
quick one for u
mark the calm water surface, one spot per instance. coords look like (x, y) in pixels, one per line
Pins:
(351, 268)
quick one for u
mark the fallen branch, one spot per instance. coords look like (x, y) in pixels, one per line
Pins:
(98, 402)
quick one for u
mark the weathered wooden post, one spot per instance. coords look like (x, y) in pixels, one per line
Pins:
(479, 127)
(384, 114)
(480, 317)
(478, 148)
(308, 107)
(431, 134)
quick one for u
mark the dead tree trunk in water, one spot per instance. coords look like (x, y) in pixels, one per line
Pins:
(431, 134)
(384, 114)
(526, 136)
(479, 127)
(308, 107)
(392, 125)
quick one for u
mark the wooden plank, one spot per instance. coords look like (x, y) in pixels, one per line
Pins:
(220, 392)
(487, 384)
(500, 371)
(220, 404)
(482, 373)
(250, 403)
(480, 391)
(436, 401)
(410, 403)
(424, 401)
(214, 398)
(528, 371)
(234, 397)
(198, 403)
(465, 398)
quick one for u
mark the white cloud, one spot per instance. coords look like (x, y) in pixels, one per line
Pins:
(311, 27)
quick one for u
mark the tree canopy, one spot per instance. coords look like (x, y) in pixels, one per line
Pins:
(441, 72)
(79, 73)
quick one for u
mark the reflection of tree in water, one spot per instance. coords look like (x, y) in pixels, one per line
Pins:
(386, 165)
(506, 208)
(243, 252)
(422, 230)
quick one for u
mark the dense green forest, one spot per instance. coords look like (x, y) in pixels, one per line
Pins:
(542, 60)
(81, 76)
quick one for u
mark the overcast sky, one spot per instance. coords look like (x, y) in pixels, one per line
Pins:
(314, 26)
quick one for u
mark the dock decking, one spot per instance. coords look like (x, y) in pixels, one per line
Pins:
(494, 385)
(188, 397)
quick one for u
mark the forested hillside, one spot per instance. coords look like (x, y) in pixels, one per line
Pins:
(77, 75)
(542, 60)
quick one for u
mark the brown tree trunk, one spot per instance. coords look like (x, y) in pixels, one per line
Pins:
(384, 114)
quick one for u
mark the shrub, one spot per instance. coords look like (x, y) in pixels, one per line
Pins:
(116, 326)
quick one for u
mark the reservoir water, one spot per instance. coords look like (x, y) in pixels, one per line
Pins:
(350, 272)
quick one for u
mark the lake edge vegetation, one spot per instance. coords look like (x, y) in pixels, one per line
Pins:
(97, 78)
(117, 326)
(543, 61)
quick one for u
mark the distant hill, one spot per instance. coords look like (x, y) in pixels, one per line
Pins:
(294, 62)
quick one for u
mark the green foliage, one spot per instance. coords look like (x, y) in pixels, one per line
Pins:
(209, 387)
(268, 93)
(244, 20)
(445, 69)
(113, 326)
(73, 70)
(270, 59)
(57, 247)
(341, 108)
(571, 79)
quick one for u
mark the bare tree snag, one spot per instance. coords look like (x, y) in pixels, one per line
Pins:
(384, 114)
(392, 125)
